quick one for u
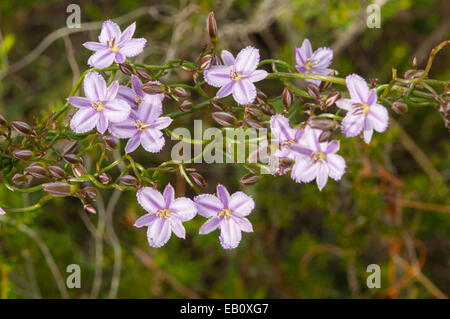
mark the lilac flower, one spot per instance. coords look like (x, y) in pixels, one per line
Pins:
(237, 76)
(114, 45)
(143, 126)
(166, 214)
(135, 95)
(363, 111)
(2, 212)
(316, 62)
(227, 213)
(99, 107)
(316, 160)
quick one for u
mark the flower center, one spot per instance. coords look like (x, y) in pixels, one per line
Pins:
(141, 126)
(98, 106)
(310, 64)
(163, 213)
(318, 156)
(235, 76)
(224, 213)
(288, 143)
(360, 108)
(111, 44)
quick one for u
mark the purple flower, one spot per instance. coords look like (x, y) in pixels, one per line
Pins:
(99, 107)
(363, 111)
(316, 160)
(2, 212)
(114, 45)
(316, 62)
(135, 95)
(143, 126)
(227, 213)
(165, 214)
(237, 76)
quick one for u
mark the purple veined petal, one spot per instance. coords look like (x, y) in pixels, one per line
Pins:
(79, 102)
(150, 199)
(332, 147)
(367, 131)
(132, 47)
(94, 46)
(322, 175)
(183, 208)
(152, 140)
(109, 30)
(336, 166)
(247, 60)
(378, 117)
(225, 90)
(102, 59)
(124, 129)
(159, 232)
(323, 56)
(133, 143)
(116, 110)
(145, 220)
(281, 129)
(345, 104)
(244, 92)
(209, 226)
(119, 57)
(102, 123)
(161, 123)
(310, 139)
(84, 120)
(223, 195)
(127, 34)
(169, 194)
(218, 75)
(149, 112)
(304, 171)
(241, 204)
(94, 87)
(303, 53)
(300, 150)
(257, 75)
(178, 228)
(244, 224)
(352, 125)
(372, 99)
(230, 233)
(227, 58)
(136, 84)
(128, 95)
(2, 212)
(111, 91)
(357, 87)
(208, 205)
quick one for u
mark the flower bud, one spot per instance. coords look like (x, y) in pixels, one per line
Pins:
(249, 179)
(413, 74)
(56, 171)
(324, 85)
(3, 121)
(111, 143)
(211, 27)
(19, 179)
(261, 97)
(70, 147)
(128, 180)
(78, 170)
(287, 97)
(286, 163)
(153, 88)
(218, 105)
(186, 105)
(126, 68)
(325, 136)
(104, 178)
(181, 92)
(224, 118)
(313, 91)
(253, 123)
(22, 154)
(58, 189)
(21, 127)
(321, 123)
(90, 192)
(253, 110)
(36, 170)
(198, 180)
(143, 74)
(205, 62)
(399, 107)
(73, 159)
(268, 109)
(90, 209)
(332, 98)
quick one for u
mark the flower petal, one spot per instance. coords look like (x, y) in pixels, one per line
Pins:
(127, 34)
(332, 147)
(132, 47)
(223, 195)
(124, 129)
(109, 30)
(209, 226)
(241, 204)
(94, 86)
(244, 224)
(119, 57)
(378, 117)
(128, 95)
(102, 124)
(102, 59)
(357, 87)
(304, 171)
(159, 232)
(183, 208)
(152, 140)
(281, 129)
(208, 205)
(136, 84)
(111, 91)
(227, 58)
(169, 195)
(345, 104)
(244, 92)
(145, 220)
(150, 199)
(247, 60)
(372, 99)
(94, 46)
(323, 56)
(178, 228)
(149, 112)
(352, 125)
(336, 166)
(257, 75)
(225, 90)
(133, 143)
(116, 110)
(162, 123)
(322, 175)
(303, 53)
(80, 102)
(218, 75)
(84, 120)
(230, 233)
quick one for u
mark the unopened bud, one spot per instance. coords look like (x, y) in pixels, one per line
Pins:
(249, 179)
(58, 189)
(22, 154)
(73, 159)
(128, 180)
(332, 98)
(253, 123)
(325, 136)
(414, 63)
(19, 179)
(90, 209)
(126, 69)
(286, 162)
(205, 62)
(111, 143)
(104, 178)
(218, 105)
(56, 171)
(313, 91)
(261, 97)
(186, 105)
(36, 170)
(198, 180)
(321, 123)
(78, 170)
(70, 147)
(181, 92)
(399, 107)
(268, 109)
(287, 97)
(211, 27)
(224, 118)
(3, 121)
(413, 74)
(143, 74)
(253, 110)
(153, 88)
(21, 127)
(90, 192)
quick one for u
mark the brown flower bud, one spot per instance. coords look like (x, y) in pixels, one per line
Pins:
(181, 92)
(324, 85)
(249, 179)
(186, 105)
(128, 180)
(253, 123)
(78, 170)
(21, 127)
(90, 209)
(56, 171)
(104, 178)
(399, 107)
(153, 88)
(332, 98)
(3, 121)
(111, 143)
(286, 163)
(126, 68)
(198, 180)
(253, 110)
(19, 179)
(36, 170)
(211, 27)
(313, 91)
(143, 74)
(205, 62)
(73, 159)
(413, 74)
(224, 118)
(287, 97)
(268, 109)
(261, 97)
(70, 147)
(321, 123)
(58, 189)
(22, 154)
(218, 105)
(325, 136)
(90, 192)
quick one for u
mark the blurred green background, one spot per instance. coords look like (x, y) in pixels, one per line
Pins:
(392, 207)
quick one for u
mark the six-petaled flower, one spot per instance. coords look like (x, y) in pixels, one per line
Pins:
(316, 62)
(134, 95)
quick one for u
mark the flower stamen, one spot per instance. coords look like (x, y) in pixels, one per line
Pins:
(224, 213)
(235, 76)
(163, 213)
(318, 156)
(310, 64)
(141, 126)
(98, 106)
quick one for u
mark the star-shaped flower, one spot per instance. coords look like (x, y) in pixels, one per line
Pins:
(316, 62)
(134, 96)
